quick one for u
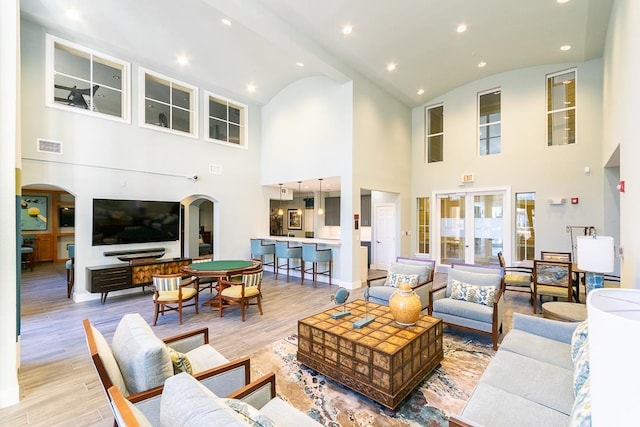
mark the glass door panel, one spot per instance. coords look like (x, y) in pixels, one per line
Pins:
(487, 228)
(452, 229)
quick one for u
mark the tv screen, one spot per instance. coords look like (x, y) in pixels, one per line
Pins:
(118, 222)
(66, 216)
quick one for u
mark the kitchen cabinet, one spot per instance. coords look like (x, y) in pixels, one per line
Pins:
(332, 211)
(44, 248)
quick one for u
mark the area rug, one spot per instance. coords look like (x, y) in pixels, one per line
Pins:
(443, 392)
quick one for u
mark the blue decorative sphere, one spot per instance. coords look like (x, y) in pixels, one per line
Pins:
(341, 295)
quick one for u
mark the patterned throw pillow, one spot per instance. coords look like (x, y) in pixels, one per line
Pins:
(180, 362)
(578, 339)
(581, 411)
(485, 295)
(394, 279)
(251, 415)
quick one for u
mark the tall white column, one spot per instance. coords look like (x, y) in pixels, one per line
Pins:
(9, 182)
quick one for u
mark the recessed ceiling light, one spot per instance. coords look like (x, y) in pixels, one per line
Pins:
(420, 91)
(300, 64)
(347, 29)
(565, 47)
(251, 88)
(562, 1)
(183, 59)
(226, 22)
(72, 14)
(461, 28)
(482, 64)
(391, 66)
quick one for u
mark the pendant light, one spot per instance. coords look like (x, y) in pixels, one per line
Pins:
(280, 211)
(320, 210)
(300, 207)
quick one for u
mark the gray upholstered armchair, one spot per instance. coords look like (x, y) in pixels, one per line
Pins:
(380, 290)
(472, 299)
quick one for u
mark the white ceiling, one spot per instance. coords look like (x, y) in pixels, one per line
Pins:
(268, 37)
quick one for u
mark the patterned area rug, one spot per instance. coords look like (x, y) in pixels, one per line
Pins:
(443, 392)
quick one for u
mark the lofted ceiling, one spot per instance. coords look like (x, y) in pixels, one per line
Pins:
(267, 38)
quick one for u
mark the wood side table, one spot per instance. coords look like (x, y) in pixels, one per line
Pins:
(383, 360)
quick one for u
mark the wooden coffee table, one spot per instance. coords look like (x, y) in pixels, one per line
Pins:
(383, 360)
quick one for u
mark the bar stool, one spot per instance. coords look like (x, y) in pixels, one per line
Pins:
(70, 266)
(284, 251)
(311, 253)
(259, 249)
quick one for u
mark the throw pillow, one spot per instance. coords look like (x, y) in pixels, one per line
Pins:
(394, 279)
(578, 339)
(485, 295)
(251, 415)
(180, 362)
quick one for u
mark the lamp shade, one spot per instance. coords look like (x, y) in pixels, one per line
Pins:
(614, 328)
(595, 254)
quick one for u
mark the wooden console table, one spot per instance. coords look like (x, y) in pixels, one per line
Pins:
(383, 360)
(115, 277)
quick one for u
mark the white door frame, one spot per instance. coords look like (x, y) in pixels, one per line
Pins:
(507, 216)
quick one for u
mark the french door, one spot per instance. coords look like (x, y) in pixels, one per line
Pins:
(472, 226)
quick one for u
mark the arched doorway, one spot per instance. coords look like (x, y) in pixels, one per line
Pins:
(199, 227)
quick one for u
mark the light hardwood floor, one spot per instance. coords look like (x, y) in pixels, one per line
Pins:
(59, 386)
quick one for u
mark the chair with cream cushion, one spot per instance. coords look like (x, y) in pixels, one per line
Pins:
(380, 290)
(235, 293)
(171, 291)
(138, 362)
(517, 279)
(472, 299)
(185, 402)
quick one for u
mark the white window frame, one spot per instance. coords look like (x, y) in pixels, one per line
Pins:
(244, 124)
(193, 133)
(50, 73)
(488, 124)
(427, 122)
(551, 112)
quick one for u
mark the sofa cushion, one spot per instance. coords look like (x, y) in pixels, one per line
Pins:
(109, 361)
(537, 381)
(394, 279)
(495, 407)
(536, 347)
(143, 358)
(187, 403)
(204, 358)
(463, 309)
(398, 267)
(472, 277)
(381, 292)
(485, 295)
(283, 414)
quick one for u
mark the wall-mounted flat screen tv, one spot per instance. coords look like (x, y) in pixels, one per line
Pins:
(118, 222)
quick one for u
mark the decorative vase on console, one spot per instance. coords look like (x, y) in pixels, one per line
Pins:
(405, 305)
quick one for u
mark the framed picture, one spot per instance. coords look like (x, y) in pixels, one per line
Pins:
(33, 212)
(295, 219)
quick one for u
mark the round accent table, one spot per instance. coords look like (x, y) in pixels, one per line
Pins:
(564, 311)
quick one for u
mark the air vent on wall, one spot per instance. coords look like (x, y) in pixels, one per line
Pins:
(49, 146)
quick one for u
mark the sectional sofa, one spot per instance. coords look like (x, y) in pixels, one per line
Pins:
(538, 377)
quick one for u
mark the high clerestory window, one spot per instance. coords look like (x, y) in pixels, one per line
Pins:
(226, 120)
(489, 120)
(168, 104)
(434, 118)
(561, 108)
(86, 81)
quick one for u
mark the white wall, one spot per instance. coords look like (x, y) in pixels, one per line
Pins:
(526, 163)
(620, 124)
(106, 159)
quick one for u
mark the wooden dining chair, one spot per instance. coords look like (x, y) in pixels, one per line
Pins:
(233, 293)
(551, 278)
(171, 291)
(518, 279)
